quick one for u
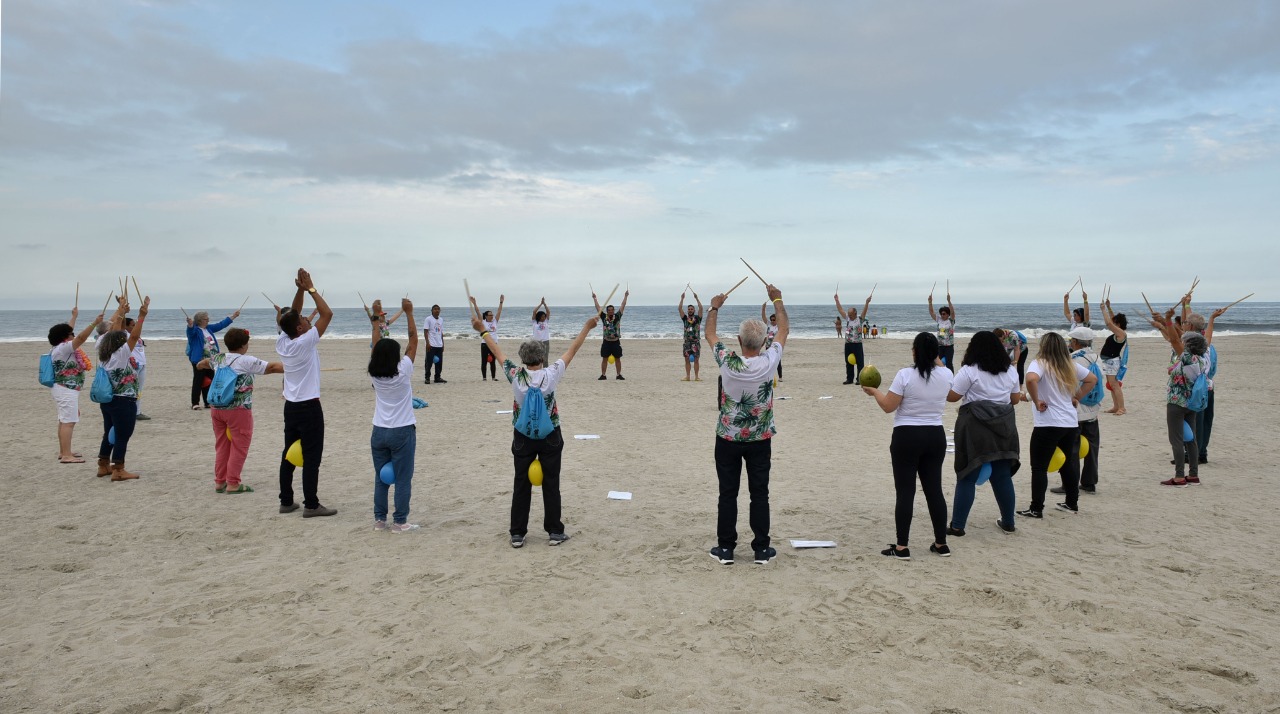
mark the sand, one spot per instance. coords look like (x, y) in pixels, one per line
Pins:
(160, 595)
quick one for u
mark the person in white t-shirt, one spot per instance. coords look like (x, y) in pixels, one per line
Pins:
(394, 440)
(745, 429)
(542, 325)
(917, 398)
(297, 346)
(490, 320)
(69, 368)
(1055, 385)
(534, 372)
(433, 326)
(233, 423)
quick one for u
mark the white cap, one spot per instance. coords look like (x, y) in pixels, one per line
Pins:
(1081, 334)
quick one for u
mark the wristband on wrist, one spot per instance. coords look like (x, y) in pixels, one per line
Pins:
(482, 334)
(777, 299)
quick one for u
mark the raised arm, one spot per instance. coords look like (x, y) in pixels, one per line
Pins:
(699, 301)
(1084, 296)
(395, 317)
(75, 313)
(84, 334)
(406, 309)
(840, 308)
(784, 324)
(867, 306)
(952, 308)
(623, 306)
(932, 315)
(680, 307)
(547, 308)
(478, 326)
(587, 327)
(322, 307)
(763, 317)
(596, 301)
(136, 333)
(1066, 306)
(1208, 330)
(1108, 319)
(497, 316)
(709, 329)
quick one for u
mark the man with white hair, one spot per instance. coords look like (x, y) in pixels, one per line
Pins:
(745, 429)
(1080, 342)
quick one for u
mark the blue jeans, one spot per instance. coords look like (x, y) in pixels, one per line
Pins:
(122, 414)
(1001, 487)
(395, 446)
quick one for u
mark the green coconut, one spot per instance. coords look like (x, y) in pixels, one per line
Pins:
(869, 377)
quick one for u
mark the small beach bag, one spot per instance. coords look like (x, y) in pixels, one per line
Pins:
(1095, 395)
(1199, 398)
(222, 390)
(534, 420)
(101, 392)
(46, 370)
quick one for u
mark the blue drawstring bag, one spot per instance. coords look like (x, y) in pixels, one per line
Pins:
(222, 390)
(101, 392)
(46, 370)
(534, 420)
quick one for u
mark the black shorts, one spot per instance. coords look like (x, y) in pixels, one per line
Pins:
(611, 348)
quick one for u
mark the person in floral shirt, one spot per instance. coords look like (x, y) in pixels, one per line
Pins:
(233, 424)
(534, 372)
(115, 356)
(612, 344)
(1187, 362)
(69, 367)
(692, 339)
(745, 426)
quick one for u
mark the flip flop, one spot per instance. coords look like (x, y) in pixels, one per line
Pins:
(73, 460)
(220, 489)
(195, 407)
(242, 488)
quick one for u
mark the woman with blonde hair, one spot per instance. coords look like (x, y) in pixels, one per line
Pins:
(1055, 384)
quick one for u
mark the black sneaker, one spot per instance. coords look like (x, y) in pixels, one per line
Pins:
(1058, 490)
(620, 377)
(722, 555)
(893, 552)
(941, 550)
(765, 555)
(144, 417)
(1088, 489)
(517, 541)
(1030, 513)
(847, 381)
(318, 511)
(441, 381)
(290, 508)
(557, 538)
(601, 378)
(957, 532)
(1003, 527)
(1067, 508)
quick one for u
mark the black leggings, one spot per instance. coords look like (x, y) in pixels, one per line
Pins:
(1022, 365)
(1186, 454)
(486, 358)
(947, 353)
(1044, 439)
(919, 451)
(199, 387)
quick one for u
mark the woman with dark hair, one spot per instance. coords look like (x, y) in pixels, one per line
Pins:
(916, 398)
(535, 373)
(1015, 345)
(542, 325)
(1055, 384)
(202, 343)
(233, 423)
(395, 433)
(69, 368)
(1113, 360)
(986, 429)
(1078, 317)
(490, 321)
(121, 413)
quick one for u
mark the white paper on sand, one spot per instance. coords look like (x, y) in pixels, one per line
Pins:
(505, 411)
(821, 398)
(586, 436)
(620, 495)
(782, 397)
(813, 544)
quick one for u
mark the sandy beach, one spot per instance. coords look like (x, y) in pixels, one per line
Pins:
(160, 595)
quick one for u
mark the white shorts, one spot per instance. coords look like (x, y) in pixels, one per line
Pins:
(68, 401)
(1110, 367)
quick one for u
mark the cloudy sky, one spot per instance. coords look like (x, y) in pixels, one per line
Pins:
(210, 147)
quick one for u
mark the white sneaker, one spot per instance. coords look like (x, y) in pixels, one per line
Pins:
(404, 527)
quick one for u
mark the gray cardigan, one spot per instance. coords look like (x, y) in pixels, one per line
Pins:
(985, 431)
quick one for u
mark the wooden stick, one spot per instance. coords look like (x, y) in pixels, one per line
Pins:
(1150, 309)
(948, 288)
(470, 300)
(366, 306)
(744, 262)
(273, 302)
(77, 295)
(108, 302)
(735, 287)
(120, 284)
(126, 289)
(1194, 283)
(184, 313)
(873, 290)
(935, 287)
(1073, 286)
(135, 286)
(1237, 302)
(246, 302)
(611, 292)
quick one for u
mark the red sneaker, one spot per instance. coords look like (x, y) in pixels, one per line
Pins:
(1193, 480)
(1175, 483)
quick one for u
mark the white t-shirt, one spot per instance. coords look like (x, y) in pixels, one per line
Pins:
(946, 332)
(140, 354)
(979, 386)
(541, 331)
(491, 326)
(435, 331)
(1061, 411)
(393, 397)
(301, 359)
(922, 402)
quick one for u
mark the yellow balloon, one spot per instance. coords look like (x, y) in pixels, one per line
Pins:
(852, 359)
(294, 454)
(228, 433)
(1058, 460)
(1084, 447)
(611, 360)
(535, 472)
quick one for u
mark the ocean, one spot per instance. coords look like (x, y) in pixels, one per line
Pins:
(642, 322)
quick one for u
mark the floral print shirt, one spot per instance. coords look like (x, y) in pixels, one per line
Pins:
(245, 367)
(946, 333)
(518, 376)
(746, 396)
(853, 330)
(122, 370)
(210, 344)
(692, 328)
(612, 330)
(1183, 370)
(69, 366)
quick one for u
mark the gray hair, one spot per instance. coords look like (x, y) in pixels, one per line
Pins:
(200, 317)
(103, 327)
(532, 352)
(752, 333)
(1083, 343)
(1194, 322)
(1195, 343)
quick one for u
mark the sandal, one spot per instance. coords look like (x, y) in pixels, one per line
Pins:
(242, 488)
(220, 489)
(195, 407)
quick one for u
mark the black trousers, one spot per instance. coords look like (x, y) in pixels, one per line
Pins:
(434, 355)
(305, 421)
(851, 370)
(1044, 439)
(918, 452)
(947, 353)
(730, 456)
(487, 358)
(1022, 365)
(199, 387)
(1089, 469)
(548, 452)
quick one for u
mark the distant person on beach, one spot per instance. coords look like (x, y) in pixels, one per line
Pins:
(298, 347)
(115, 358)
(533, 372)
(611, 347)
(771, 330)
(986, 431)
(1080, 343)
(1115, 355)
(917, 398)
(69, 368)
(379, 317)
(1055, 384)
(692, 349)
(853, 334)
(945, 317)
(433, 327)
(394, 439)
(233, 423)
(490, 320)
(1079, 317)
(1015, 345)
(1204, 418)
(1188, 361)
(202, 343)
(745, 428)
(542, 325)
(140, 358)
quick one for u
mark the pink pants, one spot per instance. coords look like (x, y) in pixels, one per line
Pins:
(230, 453)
